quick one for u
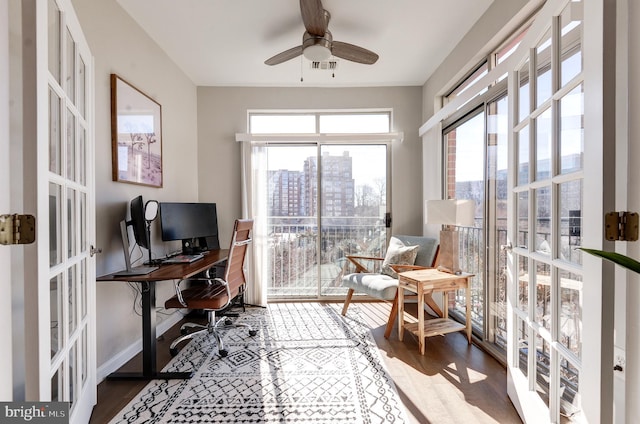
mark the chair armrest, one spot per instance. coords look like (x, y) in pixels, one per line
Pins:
(210, 281)
(176, 284)
(402, 268)
(354, 259)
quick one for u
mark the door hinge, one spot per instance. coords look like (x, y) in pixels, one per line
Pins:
(17, 229)
(621, 226)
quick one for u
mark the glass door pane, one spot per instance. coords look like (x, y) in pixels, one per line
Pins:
(353, 201)
(496, 210)
(292, 220)
(466, 147)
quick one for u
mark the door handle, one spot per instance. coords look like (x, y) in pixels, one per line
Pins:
(506, 247)
(94, 250)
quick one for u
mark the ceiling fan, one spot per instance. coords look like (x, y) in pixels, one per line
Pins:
(317, 42)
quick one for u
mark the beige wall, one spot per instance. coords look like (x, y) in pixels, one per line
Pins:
(222, 112)
(120, 46)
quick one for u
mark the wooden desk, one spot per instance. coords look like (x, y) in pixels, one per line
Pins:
(148, 288)
(424, 282)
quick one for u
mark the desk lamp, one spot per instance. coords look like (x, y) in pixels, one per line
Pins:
(150, 214)
(450, 213)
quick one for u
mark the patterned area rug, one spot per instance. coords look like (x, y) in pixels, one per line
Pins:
(307, 364)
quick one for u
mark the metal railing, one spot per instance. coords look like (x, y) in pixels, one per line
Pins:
(306, 263)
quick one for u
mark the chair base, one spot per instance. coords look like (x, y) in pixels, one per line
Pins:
(213, 326)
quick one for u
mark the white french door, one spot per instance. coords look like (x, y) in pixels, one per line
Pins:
(557, 344)
(61, 360)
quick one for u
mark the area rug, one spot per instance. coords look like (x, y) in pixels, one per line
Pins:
(307, 364)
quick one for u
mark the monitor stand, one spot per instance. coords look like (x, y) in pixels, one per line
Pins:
(138, 270)
(194, 246)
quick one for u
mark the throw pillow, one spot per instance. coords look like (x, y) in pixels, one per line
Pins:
(398, 254)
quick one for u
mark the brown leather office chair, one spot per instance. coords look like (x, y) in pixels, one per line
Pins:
(217, 293)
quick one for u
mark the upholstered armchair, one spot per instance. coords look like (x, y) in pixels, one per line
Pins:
(404, 253)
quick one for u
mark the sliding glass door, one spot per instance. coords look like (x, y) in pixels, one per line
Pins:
(323, 201)
(476, 165)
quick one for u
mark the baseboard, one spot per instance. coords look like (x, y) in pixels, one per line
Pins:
(126, 354)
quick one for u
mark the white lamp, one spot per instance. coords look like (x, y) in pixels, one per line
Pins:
(450, 212)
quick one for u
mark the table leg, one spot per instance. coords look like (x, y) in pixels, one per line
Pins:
(149, 342)
(400, 313)
(421, 342)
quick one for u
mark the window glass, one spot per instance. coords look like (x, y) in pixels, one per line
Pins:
(570, 43)
(282, 124)
(355, 123)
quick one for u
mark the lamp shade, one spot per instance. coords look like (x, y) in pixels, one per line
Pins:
(450, 212)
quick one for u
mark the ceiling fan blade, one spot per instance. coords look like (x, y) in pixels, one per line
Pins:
(313, 17)
(284, 56)
(353, 53)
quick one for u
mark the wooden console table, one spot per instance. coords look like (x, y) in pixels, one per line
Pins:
(424, 282)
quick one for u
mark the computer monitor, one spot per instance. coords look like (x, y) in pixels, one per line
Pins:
(195, 224)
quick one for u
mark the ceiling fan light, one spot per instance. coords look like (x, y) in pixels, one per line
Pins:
(317, 53)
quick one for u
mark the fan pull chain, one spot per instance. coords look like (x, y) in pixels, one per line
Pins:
(301, 68)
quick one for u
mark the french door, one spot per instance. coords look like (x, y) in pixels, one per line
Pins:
(61, 359)
(557, 318)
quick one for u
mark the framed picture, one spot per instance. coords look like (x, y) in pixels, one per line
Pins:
(136, 135)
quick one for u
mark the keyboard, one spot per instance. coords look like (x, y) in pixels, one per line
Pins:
(183, 259)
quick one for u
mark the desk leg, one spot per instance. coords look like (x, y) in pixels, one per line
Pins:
(468, 311)
(149, 342)
(421, 343)
(400, 299)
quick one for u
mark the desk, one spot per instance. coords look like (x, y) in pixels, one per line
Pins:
(148, 288)
(424, 282)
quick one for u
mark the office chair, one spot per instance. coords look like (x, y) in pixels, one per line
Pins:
(217, 293)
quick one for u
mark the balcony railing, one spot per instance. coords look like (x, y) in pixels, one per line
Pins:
(306, 263)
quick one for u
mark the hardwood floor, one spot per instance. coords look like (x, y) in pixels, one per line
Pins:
(452, 383)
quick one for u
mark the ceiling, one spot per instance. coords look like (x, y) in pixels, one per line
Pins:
(225, 42)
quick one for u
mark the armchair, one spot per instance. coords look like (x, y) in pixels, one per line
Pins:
(383, 285)
(217, 293)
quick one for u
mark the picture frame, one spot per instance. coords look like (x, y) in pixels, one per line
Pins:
(136, 135)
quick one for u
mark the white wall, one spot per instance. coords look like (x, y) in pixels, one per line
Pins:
(222, 112)
(120, 46)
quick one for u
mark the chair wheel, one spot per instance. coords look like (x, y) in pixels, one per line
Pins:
(173, 351)
(183, 331)
(228, 322)
(252, 332)
(223, 353)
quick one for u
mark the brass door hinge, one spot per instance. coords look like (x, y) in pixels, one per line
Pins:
(17, 229)
(621, 226)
